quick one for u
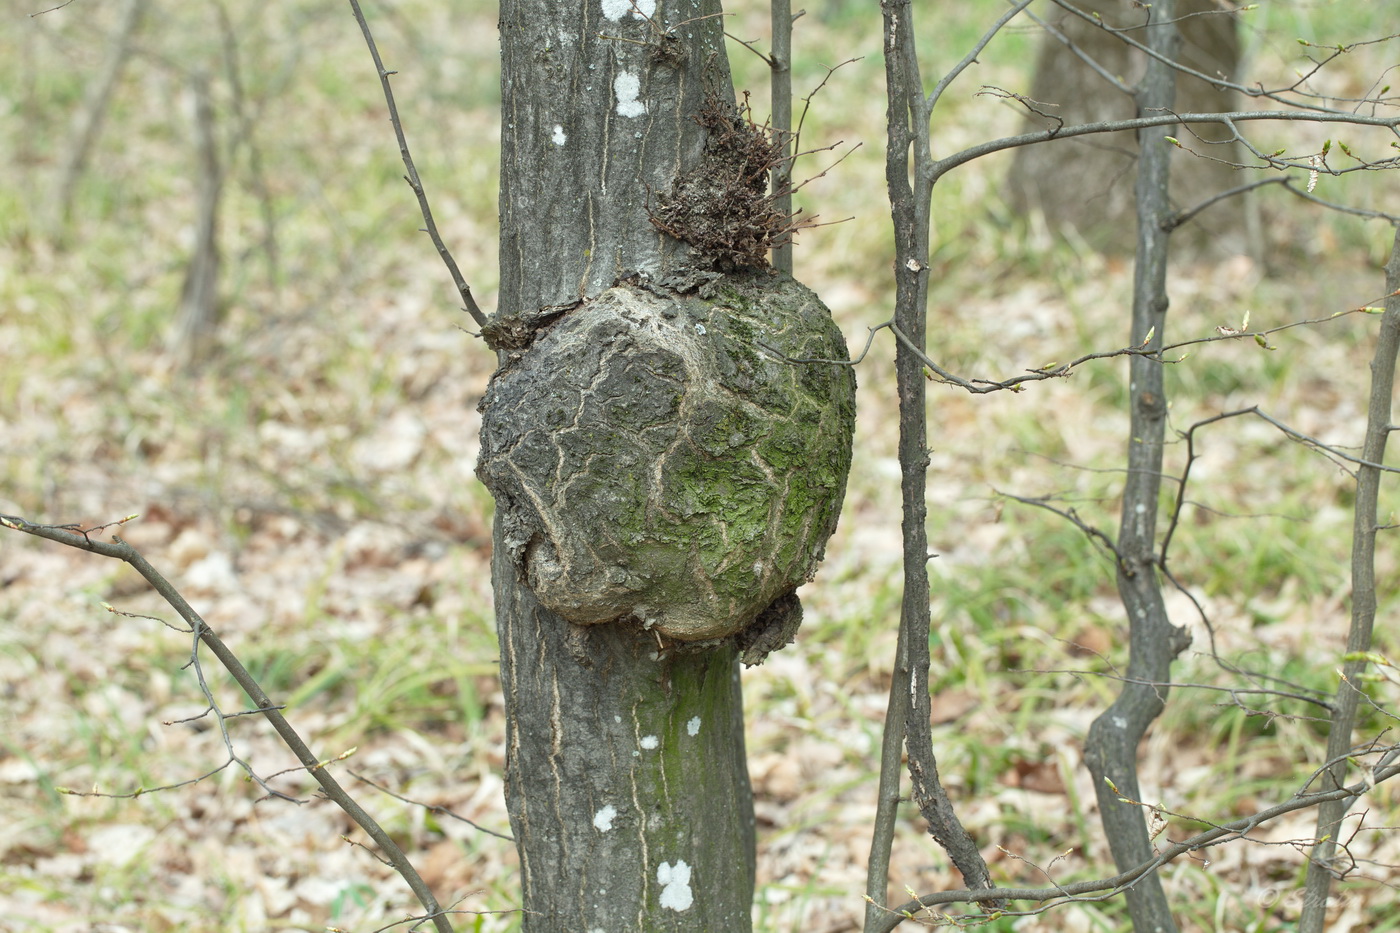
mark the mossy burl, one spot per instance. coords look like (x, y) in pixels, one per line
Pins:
(653, 462)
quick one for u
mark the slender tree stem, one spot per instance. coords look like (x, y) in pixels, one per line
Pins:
(1363, 602)
(780, 67)
(908, 717)
(1111, 748)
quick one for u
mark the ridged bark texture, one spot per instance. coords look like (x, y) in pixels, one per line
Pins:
(625, 774)
(598, 108)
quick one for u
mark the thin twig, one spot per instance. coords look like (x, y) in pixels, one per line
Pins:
(82, 538)
(432, 808)
(463, 288)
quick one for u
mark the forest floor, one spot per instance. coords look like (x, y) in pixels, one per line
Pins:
(309, 487)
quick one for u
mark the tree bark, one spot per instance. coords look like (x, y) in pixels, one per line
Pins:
(1366, 522)
(625, 774)
(1111, 748)
(597, 115)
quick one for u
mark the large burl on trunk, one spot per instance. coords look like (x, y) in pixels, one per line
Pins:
(661, 460)
(665, 475)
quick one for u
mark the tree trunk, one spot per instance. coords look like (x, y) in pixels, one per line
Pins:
(1087, 184)
(625, 776)
(625, 773)
(1110, 751)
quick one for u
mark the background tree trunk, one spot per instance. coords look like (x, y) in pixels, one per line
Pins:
(197, 316)
(625, 775)
(1087, 184)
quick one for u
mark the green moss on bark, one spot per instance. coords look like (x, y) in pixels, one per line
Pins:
(688, 477)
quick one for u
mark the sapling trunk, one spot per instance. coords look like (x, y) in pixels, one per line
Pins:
(1111, 748)
(1365, 524)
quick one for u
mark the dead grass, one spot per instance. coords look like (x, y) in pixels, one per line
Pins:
(312, 492)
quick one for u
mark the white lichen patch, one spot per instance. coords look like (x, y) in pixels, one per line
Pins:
(627, 86)
(675, 885)
(693, 727)
(603, 819)
(614, 10)
(650, 741)
(559, 137)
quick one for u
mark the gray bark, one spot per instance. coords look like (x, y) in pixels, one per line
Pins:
(1363, 603)
(1111, 748)
(910, 177)
(625, 774)
(597, 115)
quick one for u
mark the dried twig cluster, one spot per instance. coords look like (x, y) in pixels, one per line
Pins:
(723, 207)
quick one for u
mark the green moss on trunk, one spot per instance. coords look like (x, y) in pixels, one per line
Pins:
(660, 458)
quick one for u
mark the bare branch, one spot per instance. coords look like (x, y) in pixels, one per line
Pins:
(971, 56)
(1105, 888)
(463, 288)
(82, 538)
